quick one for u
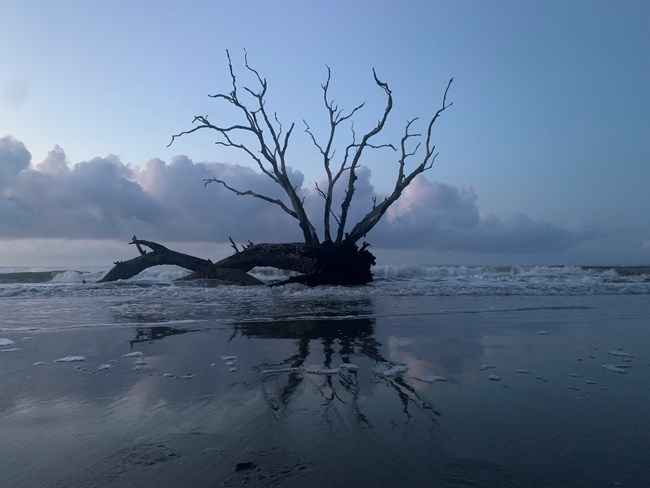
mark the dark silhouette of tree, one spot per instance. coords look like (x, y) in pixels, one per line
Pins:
(261, 137)
(342, 342)
(269, 152)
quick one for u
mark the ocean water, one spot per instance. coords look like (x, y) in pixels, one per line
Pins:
(430, 376)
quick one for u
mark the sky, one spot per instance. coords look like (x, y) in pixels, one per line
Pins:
(544, 156)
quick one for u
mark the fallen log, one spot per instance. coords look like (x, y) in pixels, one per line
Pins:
(159, 255)
(327, 263)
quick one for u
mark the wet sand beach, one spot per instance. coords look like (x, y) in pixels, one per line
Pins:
(325, 389)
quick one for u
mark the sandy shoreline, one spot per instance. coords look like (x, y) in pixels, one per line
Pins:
(496, 392)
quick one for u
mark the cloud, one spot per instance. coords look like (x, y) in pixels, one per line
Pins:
(213, 213)
(55, 162)
(361, 203)
(103, 198)
(441, 217)
(93, 199)
(14, 158)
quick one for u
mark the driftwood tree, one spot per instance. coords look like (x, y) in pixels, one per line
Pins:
(261, 137)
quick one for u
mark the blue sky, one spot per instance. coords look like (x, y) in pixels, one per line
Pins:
(544, 156)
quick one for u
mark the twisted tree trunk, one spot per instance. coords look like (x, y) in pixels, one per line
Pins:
(319, 264)
(261, 138)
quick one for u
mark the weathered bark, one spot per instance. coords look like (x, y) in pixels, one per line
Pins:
(159, 254)
(319, 264)
(323, 264)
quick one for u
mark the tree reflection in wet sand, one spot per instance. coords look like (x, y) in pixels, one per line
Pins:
(342, 345)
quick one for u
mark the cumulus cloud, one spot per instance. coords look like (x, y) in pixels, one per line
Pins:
(55, 162)
(104, 198)
(97, 198)
(361, 203)
(14, 158)
(213, 213)
(444, 218)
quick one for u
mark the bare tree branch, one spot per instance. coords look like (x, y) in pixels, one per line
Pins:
(272, 143)
(403, 180)
(233, 245)
(336, 117)
(275, 201)
(269, 151)
(352, 177)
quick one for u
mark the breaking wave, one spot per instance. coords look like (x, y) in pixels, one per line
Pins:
(389, 280)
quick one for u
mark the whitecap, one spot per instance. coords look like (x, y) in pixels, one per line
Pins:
(39, 363)
(11, 349)
(140, 362)
(187, 376)
(487, 366)
(229, 358)
(5, 342)
(104, 366)
(494, 377)
(70, 359)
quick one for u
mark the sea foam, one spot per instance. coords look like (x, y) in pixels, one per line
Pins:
(70, 359)
(431, 378)
(394, 371)
(134, 354)
(613, 368)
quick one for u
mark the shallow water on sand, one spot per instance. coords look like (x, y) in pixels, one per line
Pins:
(165, 386)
